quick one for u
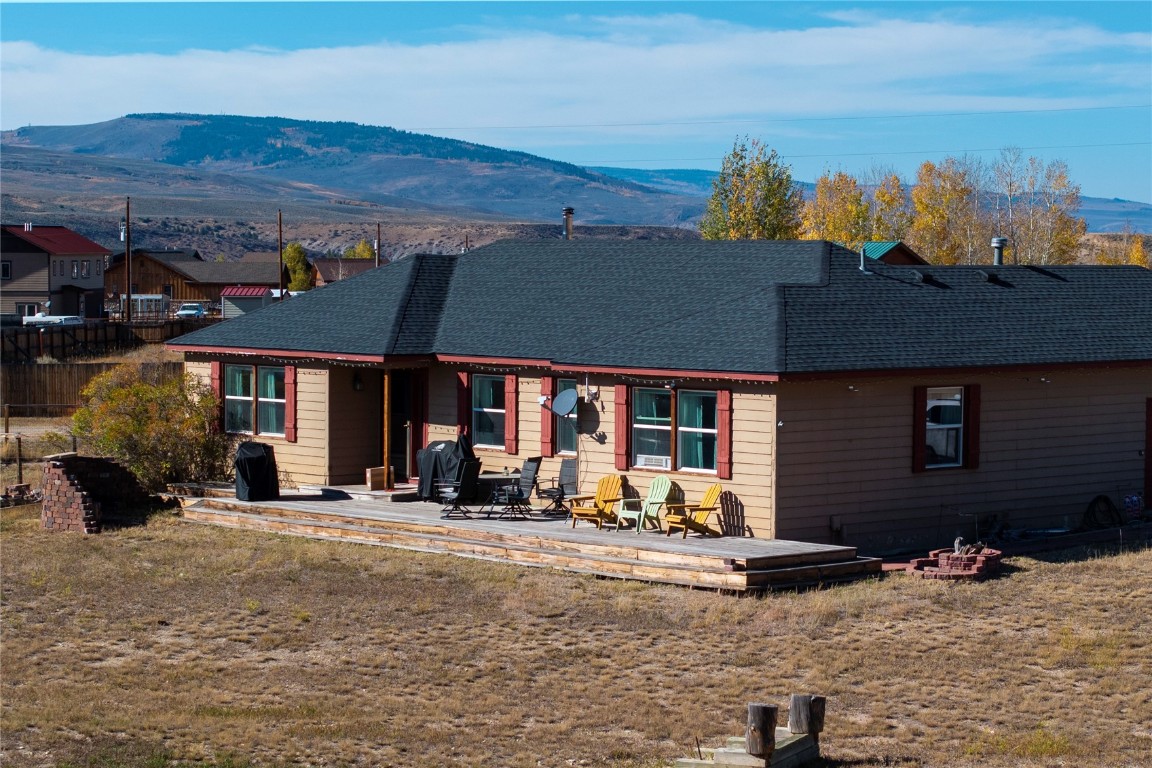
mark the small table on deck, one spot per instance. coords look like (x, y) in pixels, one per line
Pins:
(490, 484)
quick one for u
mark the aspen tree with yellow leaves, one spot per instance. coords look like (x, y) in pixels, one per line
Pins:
(753, 198)
(837, 212)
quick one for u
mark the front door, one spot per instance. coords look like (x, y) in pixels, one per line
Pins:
(406, 421)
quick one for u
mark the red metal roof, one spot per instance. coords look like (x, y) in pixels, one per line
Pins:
(58, 241)
(245, 291)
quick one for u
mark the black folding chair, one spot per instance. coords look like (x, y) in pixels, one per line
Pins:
(461, 491)
(516, 497)
(563, 489)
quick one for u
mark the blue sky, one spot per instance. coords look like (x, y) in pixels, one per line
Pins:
(857, 87)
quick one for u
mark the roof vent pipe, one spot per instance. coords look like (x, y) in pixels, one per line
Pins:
(568, 212)
(998, 244)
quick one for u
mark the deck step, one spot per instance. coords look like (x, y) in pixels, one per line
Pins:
(793, 750)
(611, 560)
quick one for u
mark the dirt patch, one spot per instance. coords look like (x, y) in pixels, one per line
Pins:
(173, 642)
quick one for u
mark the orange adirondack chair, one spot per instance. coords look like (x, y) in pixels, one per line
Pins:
(598, 509)
(694, 517)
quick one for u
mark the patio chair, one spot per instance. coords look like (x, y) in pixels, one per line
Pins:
(599, 508)
(641, 510)
(516, 497)
(563, 488)
(694, 517)
(461, 491)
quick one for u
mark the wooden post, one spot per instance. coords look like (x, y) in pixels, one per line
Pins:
(19, 463)
(385, 434)
(760, 733)
(806, 714)
(7, 417)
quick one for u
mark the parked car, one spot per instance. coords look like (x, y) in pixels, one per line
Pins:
(190, 310)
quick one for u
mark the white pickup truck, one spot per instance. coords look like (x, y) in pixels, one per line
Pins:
(42, 319)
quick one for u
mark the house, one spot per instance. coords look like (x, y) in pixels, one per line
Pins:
(161, 279)
(50, 269)
(331, 270)
(891, 252)
(839, 399)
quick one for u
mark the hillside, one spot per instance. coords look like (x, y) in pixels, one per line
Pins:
(368, 164)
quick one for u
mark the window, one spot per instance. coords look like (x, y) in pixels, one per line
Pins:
(55, 264)
(946, 426)
(75, 269)
(254, 400)
(652, 428)
(27, 310)
(99, 265)
(565, 425)
(5, 270)
(488, 411)
(696, 430)
(86, 268)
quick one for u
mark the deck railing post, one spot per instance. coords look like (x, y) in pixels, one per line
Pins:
(760, 733)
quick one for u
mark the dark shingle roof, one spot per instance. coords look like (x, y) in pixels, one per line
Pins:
(738, 307)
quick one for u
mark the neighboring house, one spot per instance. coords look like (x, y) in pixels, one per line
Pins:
(237, 300)
(840, 399)
(173, 277)
(892, 252)
(52, 270)
(332, 270)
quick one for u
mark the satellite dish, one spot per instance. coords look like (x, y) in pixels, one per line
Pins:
(564, 403)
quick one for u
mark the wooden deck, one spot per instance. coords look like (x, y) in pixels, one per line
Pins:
(729, 563)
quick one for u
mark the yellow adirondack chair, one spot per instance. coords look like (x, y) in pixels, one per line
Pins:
(642, 510)
(694, 517)
(599, 508)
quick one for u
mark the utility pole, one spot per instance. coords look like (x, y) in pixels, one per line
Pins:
(128, 258)
(280, 250)
(377, 244)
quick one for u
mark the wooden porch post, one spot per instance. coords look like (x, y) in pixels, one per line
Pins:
(385, 436)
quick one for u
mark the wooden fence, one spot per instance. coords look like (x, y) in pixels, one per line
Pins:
(27, 345)
(53, 389)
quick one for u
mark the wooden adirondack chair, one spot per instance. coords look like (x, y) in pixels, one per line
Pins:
(694, 517)
(599, 508)
(646, 509)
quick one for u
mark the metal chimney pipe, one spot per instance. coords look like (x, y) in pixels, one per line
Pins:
(568, 212)
(998, 244)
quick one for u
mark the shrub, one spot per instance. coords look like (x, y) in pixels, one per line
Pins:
(162, 428)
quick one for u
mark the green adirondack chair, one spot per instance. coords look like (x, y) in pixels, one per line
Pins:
(641, 510)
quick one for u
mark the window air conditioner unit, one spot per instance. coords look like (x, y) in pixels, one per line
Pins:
(654, 462)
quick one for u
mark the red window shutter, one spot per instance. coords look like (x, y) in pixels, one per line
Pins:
(511, 414)
(724, 434)
(547, 440)
(290, 403)
(623, 427)
(972, 426)
(463, 404)
(919, 430)
(217, 381)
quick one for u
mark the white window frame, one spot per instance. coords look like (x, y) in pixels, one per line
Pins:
(254, 402)
(561, 386)
(479, 380)
(646, 460)
(681, 429)
(942, 396)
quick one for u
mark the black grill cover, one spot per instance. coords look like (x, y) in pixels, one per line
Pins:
(256, 472)
(438, 463)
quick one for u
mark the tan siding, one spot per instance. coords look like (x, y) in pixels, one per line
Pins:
(1046, 449)
(355, 425)
(441, 403)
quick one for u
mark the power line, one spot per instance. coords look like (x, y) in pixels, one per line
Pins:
(867, 154)
(778, 119)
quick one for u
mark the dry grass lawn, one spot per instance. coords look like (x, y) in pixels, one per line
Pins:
(179, 644)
